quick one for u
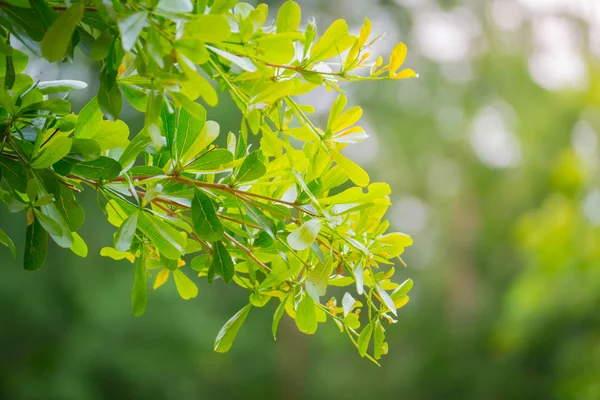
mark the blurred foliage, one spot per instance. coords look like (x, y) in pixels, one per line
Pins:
(507, 263)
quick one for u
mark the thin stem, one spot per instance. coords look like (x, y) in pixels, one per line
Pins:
(247, 251)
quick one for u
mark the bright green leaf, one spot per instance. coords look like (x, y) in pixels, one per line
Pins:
(229, 331)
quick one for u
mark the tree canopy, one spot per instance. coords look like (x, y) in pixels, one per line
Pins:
(278, 210)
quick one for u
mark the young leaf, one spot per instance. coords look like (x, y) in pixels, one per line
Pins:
(79, 246)
(363, 340)
(56, 150)
(222, 263)
(306, 316)
(188, 131)
(138, 292)
(355, 172)
(207, 224)
(5, 240)
(161, 278)
(379, 345)
(58, 37)
(186, 288)
(208, 28)
(334, 41)
(36, 246)
(316, 281)
(288, 17)
(303, 237)
(126, 232)
(229, 331)
(277, 316)
(167, 239)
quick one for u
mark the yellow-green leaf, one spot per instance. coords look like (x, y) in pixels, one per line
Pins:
(186, 288)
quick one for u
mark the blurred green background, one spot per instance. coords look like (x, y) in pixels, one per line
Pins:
(492, 156)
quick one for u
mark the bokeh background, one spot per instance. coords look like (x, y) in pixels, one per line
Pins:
(492, 156)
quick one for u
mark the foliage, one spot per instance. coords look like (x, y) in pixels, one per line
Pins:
(285, 219)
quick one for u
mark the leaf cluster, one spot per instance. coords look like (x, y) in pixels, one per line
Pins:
(284, 218)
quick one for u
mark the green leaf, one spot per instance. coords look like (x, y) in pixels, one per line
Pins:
(126, 233)
(222, 263)
(79, 246)
(56, 150)
(53, 106)
(203, 88)
(209, 133)
(189, 129)
(208, 28)
(15, 173)
(215, 160)
(275, 91)
(193, 108)
(139, 295)
(403, 289)
(186, 288)
(131, 27)
(138, 144)
(261, 219)
(334, 41)
(52, 87)
(277, 316)
(351, 321)
(306, 316)
(88, 120)
(36, 246)
(109, 99)
(229, 331)
(5, 240)
(54, 223)
(252, 168)
(137, 98)
(169, 242)
(101, 168)
(305, 235)
(379, 345)
(175, 6)
(222, 6)
(288, 17)
(244, 63)
(110, 135)
(363, 339)
(354, 171)
(316, 281)
(101, 46)
(69, 207)
(58, 37)
(356, 195)
(207, 224)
